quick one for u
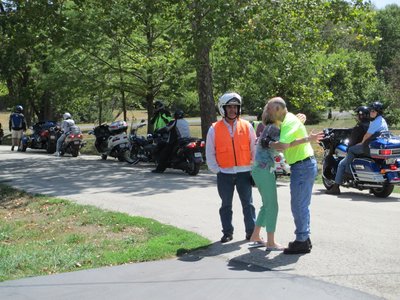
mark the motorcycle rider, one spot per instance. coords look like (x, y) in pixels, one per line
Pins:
(161, 116)
(230, 151)
(356, 145)
(177, 130)
(17, 126)
(66, 126)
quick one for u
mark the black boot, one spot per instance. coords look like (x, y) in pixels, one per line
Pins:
(335, 190)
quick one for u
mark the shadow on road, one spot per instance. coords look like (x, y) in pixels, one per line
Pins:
(256, 260)
(353, 195)
(68, 176)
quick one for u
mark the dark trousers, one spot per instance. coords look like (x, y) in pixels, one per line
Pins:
(226, 184)
(164, 156)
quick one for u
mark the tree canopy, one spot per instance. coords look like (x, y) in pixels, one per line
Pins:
(95, 58)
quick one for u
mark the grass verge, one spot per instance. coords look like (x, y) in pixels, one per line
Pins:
(41, 235)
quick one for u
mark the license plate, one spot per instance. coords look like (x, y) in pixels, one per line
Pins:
(76, 142)
(197, 154)
(391, 161)
(52, 137)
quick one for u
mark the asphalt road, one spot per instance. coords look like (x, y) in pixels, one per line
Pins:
(356, 236)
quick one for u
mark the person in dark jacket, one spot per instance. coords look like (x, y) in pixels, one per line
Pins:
(357, 134)
(17, 126)
(176, 130)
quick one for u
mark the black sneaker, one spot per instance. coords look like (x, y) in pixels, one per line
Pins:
(334, 190)
(298, 247)
(307, 240)
(226, 238)
(248, 236)
(12, 148)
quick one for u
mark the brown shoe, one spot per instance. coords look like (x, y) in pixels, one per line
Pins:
(334, 190)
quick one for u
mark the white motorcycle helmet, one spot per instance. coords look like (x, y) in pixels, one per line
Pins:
(229, 99)
(67, 116)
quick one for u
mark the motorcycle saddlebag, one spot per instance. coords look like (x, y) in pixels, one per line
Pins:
(367, 170)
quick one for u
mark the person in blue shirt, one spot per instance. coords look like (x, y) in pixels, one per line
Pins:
(377, 125)
(17, 126)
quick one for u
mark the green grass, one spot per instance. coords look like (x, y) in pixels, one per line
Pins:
(41, 235)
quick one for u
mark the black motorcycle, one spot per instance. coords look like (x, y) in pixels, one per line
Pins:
(186, 156)
(142, 148)
(44, 136)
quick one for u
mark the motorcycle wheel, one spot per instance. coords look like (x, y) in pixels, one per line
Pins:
(75, 152)
(127, 156)
(193, 168)
(328, 183)
(133, 155)
(383, 192)
(104, 156)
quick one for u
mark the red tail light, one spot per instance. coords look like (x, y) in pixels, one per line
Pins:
(393, 167)
(191, 145)
(79, 136)
(277, 159)
(44, 133)
(202, 144)
(385, 152)
(71, 136)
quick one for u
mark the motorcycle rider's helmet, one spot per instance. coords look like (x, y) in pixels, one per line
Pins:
(19, 109)
(377, 106)
(158, 105)
(179, 114)
(229, 99)
(362, 113)
(67, 116)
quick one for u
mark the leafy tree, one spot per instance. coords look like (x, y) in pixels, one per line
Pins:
(28, 32)
(283, 48)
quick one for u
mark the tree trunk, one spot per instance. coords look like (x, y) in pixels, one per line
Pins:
(150, 111)
(203, 44)
(205, 89)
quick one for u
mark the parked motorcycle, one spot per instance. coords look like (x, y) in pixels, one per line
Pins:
(112, 140)
(44, 136)
(73, 142)
(282, 168)
(187, 155)
(142, 148)
(379, 171)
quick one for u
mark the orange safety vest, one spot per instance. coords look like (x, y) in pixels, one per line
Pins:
(234, 151)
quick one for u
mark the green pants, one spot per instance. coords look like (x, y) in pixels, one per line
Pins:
(266, 184)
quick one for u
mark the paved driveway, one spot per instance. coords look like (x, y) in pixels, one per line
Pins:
(356, 236)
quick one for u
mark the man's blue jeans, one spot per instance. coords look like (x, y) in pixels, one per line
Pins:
(226, 185)
(344, 164)
(302, 179)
